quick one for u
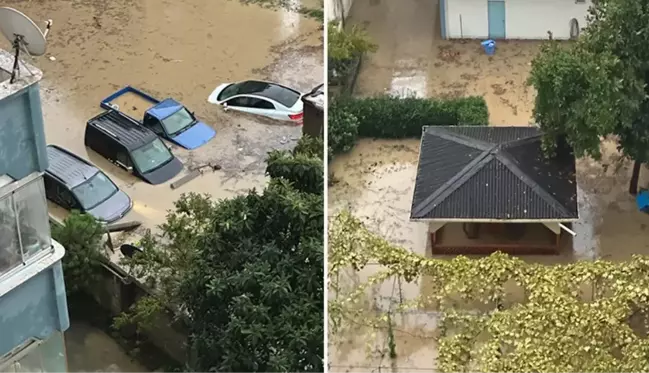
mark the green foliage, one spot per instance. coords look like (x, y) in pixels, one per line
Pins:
(501, 314)
(304, 172)
(81, 236)
(255, 294)
(342, 130)
(345, 47)
(310, 146)
(387, 116)
(345, 44)
(247, 273)
(597, 86)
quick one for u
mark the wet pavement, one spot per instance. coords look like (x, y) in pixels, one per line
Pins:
(375, 180)
(105, 355)
(180, 49)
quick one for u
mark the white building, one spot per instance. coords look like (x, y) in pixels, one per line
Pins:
(512, 19)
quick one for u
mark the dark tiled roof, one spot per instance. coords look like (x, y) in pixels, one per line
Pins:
(492, 173)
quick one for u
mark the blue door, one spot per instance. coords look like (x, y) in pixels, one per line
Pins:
(496, 13)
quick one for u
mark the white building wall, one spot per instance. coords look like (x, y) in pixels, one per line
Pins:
(525, 19)
(532, 19)
(337, 9)
(466, 19)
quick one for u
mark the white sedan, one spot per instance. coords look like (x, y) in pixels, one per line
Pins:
(261, 98)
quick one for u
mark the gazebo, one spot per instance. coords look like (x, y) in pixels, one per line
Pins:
(484, 189)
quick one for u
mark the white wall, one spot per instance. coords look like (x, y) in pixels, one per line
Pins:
(532, 19)
(525, 19)
(336, 9)
(473, 14)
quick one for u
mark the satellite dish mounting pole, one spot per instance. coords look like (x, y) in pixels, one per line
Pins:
(16, 44)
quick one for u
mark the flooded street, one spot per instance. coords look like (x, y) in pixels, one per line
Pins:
(106, 355)
(375, 181)
(178, 49)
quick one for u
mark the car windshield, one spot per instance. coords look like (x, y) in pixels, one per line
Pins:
(151, 156)
(284, 96)
(94, 191)
(177, 121)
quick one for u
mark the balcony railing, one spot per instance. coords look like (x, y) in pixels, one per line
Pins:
(24, 223)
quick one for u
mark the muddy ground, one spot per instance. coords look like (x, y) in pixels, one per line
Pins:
(181, 49)
(375, 180)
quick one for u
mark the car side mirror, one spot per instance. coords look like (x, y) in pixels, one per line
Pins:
(225, 106)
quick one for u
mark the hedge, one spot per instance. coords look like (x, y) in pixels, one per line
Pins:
(387, 116)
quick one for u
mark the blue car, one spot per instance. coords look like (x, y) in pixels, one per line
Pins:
(168, 118)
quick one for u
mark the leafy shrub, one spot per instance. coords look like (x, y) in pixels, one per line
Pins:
(342, 129)
(304, 172)
(81, 236)
(387, 116)
(310, 147)
(344, 47)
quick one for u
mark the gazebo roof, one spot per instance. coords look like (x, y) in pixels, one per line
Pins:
(492, 173)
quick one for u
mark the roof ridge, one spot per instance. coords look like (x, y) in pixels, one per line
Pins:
(455, 182)
(506, 160)
(446, 134)
(524, 140)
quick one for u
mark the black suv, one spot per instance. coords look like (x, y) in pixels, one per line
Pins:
(75, 184)
(131, 147)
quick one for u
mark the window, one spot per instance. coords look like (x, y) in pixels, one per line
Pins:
(263, 104)
(24, 222)
(153, 124)
(151, 156)
(178, 121)
(240, 101)
(66, 199)
(124, 159)
(95, 190)
(37, 356)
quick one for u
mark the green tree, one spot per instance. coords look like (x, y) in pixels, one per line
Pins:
(597, 86)
(245, 273)
(81, 236)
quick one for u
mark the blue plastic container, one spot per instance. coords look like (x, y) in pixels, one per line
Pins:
(489, 47)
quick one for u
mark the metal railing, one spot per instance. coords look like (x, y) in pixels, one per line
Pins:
(24, 223)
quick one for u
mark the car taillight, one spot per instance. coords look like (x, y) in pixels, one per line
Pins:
(296, 116)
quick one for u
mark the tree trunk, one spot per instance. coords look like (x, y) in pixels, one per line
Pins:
(635, 176)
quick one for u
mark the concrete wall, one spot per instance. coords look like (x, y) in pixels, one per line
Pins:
(525, 19)
(22, 136)
(337, 9)
(117, 293)
(36, 308)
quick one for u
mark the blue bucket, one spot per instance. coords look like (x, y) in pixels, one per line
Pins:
(489, 47)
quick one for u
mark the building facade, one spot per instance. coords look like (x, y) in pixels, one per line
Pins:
(33, 306)
(512, 19)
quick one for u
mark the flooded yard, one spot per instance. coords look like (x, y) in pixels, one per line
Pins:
(375, 181)
(413, 59)
(183, 50)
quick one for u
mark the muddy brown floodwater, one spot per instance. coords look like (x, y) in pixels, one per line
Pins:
(181, 49)
(375, 180)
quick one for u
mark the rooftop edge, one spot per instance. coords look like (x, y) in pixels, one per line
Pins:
(28, 75)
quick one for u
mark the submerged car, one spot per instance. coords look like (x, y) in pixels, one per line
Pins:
(271, 100)
(75, 184)
(132, 147)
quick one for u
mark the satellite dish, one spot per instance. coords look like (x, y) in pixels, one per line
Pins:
(23, 34)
